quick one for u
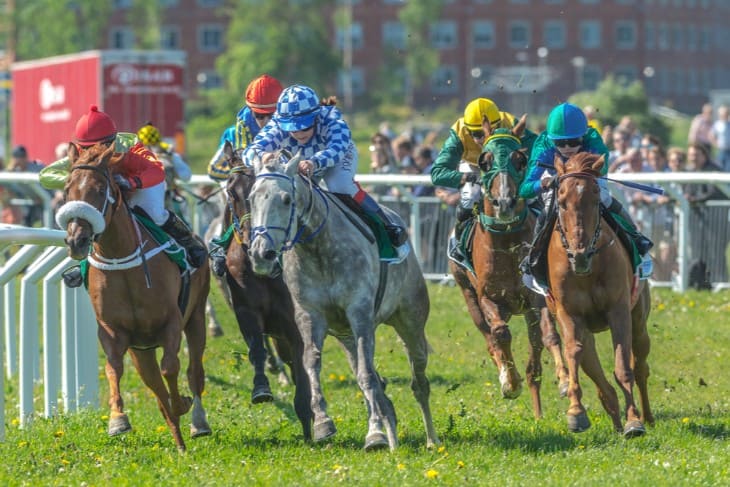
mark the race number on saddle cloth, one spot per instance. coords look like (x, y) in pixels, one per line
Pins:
(316, 130)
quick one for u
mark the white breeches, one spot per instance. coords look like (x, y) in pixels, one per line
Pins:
(151, 200)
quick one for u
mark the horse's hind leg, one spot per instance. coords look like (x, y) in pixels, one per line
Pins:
(146, 363)
(114, 368)
(214, 327)
(275, 363)
(534, 366)
(195, 337)
(413, 335)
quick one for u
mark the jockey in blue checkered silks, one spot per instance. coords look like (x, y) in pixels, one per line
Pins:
(316, 130)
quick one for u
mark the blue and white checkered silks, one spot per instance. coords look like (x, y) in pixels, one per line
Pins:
(297, 108)
(330, 145)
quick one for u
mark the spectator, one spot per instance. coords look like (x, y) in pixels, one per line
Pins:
(627, 123)
(701, 126)
(423, 163)
(656, 158)
(649, 141)
(676, 159)
(382, 161)
(403, 149)
(635, 198)
(20, 162)
(665, 263)
(720, 137)
(618, 156)
(590, 113)
(9, 213)
(698, 159)
(607, 135)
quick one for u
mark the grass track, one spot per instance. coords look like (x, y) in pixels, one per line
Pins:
(486, 440)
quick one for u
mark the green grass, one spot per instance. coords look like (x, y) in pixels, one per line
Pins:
(486, 440)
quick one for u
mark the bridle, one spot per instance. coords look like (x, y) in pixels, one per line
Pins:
(592, 248)
(237, 221)
(109, 198)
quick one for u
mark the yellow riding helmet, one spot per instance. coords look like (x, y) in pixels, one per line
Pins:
(149, 135)
(479, 108)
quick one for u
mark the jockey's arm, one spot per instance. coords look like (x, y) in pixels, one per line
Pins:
(337, 141)
(182, 170)
(268, 140)
(445, 170)
(543, 154)
(142, 168)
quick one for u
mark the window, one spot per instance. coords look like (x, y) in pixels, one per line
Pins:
(394, 35)
(663, 36)
(589, 1)
(649, 36)
(592, 76)
(590, 34)
(692, 38)
(481, 80)
(168, 3)
(483, 34)
(678, 36)
(443, 34)
(121, 38)
(210, 38)
(554, 34)
(356, 36)
(357, 78)
(209, 79)
(704, 39)
(210, 3)
(170, 37)
(519, 34)
(625, 34)
(120, 4)
(625, 74)
(444, 80)
(693, 82)
(679, 84)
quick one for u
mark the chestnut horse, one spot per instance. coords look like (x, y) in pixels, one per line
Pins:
(494, 292)
(134, 289)
(261, 304)
(593, 289)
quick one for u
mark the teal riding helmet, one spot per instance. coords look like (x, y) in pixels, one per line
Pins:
(566, 121)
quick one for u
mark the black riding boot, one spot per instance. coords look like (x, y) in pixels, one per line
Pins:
(72, 277)
(643, 244)
(217, 256)
(463, 215)
(177, 229)
(397, 234)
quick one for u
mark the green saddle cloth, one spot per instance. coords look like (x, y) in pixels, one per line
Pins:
(625, 235)
(175, 252)
(465, 244)
(385, 247)
(224, 241)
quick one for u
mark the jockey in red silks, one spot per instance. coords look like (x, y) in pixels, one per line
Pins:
(142, 176)
(261, 96)
(317, 130)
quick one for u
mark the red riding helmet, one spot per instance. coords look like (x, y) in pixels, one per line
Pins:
(95, 126)
(262, 94)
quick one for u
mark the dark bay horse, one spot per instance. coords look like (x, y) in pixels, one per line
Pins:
(593, 289)
(495, 292)
(261, 304)
(131, 315)
(332, 266)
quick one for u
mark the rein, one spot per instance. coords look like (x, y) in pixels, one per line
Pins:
(592, 249)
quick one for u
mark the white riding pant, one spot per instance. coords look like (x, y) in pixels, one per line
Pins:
(341, 177)
(151, 200)
(471, 193)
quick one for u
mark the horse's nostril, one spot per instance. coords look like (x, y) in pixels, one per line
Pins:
(270, 255)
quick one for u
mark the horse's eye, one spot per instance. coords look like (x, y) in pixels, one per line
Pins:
(286, 199)
(485, 161)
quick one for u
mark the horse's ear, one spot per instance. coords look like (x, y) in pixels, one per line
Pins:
(73, 152)
(228, 150)
(598, 165)
(559, 165)
(292, 166)
(258, 163)
(486, 126)
(485, 161)
(519, 129)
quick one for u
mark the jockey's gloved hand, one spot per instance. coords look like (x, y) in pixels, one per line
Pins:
(548, 183)
(122, 182)
(469, 177)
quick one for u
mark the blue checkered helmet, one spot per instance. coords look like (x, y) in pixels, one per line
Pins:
(297, 108)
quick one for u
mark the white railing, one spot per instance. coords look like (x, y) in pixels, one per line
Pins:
(70, 352)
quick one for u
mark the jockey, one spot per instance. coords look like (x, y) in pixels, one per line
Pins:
(567, 133)
(317, 130)
(261, 96)
(456, 165)
(176, 169)
(142, 175)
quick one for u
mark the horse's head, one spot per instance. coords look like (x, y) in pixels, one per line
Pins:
(579, 210)
(238, 188)
(503, 163)
(274, 217)
(90, 195)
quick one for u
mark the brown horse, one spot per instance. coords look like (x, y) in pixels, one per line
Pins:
(593, 289)
(495, 292)
(261, 304)
(131, 315)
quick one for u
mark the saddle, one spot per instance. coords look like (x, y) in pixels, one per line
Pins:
(385, 248)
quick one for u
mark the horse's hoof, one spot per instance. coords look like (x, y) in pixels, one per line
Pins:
(376, 441)
(509, 393)
(563, 389)
(215, 331)
(197, 431)
(261, 393)
(325, 429)
(119, 425)
(633, 429)
(578, 423)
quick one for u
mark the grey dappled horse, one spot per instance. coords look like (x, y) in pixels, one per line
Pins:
(334, 275)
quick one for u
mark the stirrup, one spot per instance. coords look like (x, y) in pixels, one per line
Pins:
(397, 235)
(72, 277)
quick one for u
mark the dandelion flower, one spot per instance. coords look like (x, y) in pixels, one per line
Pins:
(685, 420)
(401, 466)
(460, 464)
(441, 449)
(333, 376)
(431, 473)
(342, 378)
(58, 434)
(161, 429)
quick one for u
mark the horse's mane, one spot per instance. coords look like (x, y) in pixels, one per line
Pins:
(584, 162)
(330, 101)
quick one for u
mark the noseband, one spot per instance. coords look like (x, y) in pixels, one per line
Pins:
(108, 198)
(237, 220)
(592, 249)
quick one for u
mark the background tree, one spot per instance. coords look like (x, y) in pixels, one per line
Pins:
(51, 27)
(145, 18)
(421, 59)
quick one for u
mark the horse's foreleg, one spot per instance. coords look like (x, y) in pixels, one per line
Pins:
(146, 363)
(551, 341)
(591, 365)
(573, 332)
(472, 305)
(621, 335)
(195, 338)
(313, 328)
(114, 348)
(509, 377)
(534, 365)
(251, 327)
